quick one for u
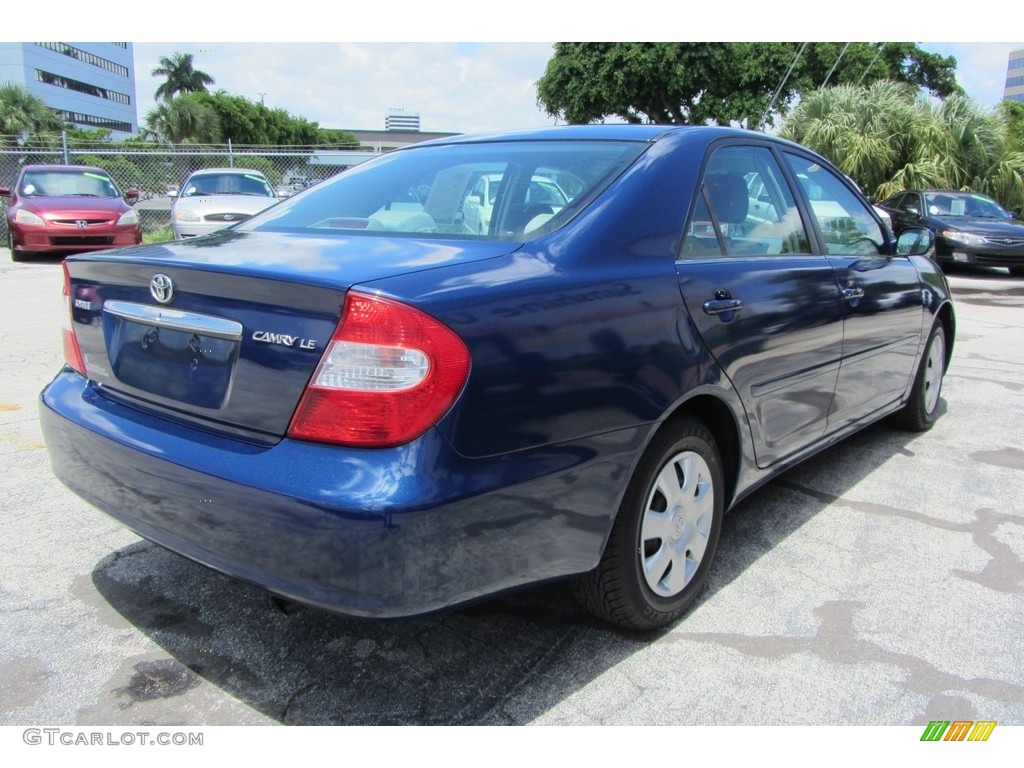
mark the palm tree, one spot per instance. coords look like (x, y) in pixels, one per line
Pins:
(181, 77)
(21, 112)
(888, 137)
(182, 120)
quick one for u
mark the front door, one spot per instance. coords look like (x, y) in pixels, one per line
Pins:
(883, 304)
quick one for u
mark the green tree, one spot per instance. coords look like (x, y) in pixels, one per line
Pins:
(183, 119)
(336, 137)
(180, 76)
(865, 63)
(887, 137)
(23, 113)
(697, 83)
(660, 82)
(248, 122)
(869, 132)
(1013, 114)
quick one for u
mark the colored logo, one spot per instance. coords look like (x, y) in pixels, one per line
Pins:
(958, 730)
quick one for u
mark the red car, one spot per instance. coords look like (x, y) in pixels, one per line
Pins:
(70, 208)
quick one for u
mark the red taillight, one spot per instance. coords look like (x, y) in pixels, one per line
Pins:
(389, 373)
(72, 353)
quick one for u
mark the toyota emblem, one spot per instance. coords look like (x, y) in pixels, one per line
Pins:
(161, 288)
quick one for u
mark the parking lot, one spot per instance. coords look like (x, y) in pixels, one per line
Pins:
(880, 583)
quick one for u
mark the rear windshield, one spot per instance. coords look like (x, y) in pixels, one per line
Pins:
(496, 190)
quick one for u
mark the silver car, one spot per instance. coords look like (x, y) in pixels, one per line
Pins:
(214, 198)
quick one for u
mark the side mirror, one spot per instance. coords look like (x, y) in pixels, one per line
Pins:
(5, 191)
(914, 242)
(131, 195)
(913, 209)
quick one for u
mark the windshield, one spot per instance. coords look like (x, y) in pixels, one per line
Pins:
(505, 190)
(228, 183)
(68, 184)
(963, 204)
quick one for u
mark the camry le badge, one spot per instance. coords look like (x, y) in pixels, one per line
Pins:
(161, 288)
(283, 339)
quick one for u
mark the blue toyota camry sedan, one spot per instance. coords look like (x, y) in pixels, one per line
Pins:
(375, 399)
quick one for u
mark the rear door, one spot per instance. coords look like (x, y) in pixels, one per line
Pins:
(766, 306)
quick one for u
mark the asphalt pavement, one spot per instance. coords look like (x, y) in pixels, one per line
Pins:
(880, 583)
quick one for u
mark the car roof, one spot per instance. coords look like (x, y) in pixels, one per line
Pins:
(607, 132)
(946, 192)
(240, 171)
(56, 167)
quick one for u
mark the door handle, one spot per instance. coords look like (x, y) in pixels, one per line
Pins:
(852, 294)
(719, 305)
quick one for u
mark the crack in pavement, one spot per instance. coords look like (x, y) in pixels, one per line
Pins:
(1003, 573)
(836, 641)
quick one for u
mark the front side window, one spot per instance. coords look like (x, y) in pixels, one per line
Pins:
(507, 190)
(846, 223)
(910, 203)
(746, 205)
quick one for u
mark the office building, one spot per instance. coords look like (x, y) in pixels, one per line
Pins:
(90, 85)
(400, 120)
(1014, 89)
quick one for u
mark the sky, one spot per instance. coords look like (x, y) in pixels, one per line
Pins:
(486, 82)
(454, 87)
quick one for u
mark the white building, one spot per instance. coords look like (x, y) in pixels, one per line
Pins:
(400, 120)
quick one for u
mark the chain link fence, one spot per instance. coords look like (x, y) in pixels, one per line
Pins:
(158, 172)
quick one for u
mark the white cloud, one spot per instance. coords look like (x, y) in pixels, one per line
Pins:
(454, 87)
(981, 67)
(457, 87)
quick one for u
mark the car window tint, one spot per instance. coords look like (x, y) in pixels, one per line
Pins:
(909, 203)
(751, 203)
(204, 184)
(963, 204)
(847, 225)
(68, 184)
(701, 241)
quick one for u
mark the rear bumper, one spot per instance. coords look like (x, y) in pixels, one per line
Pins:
(382, 533)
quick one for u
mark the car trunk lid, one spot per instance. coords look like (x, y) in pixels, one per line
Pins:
(224, 332)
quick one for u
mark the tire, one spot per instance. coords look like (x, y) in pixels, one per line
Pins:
(15, 256)
(664, 535)
(922, 409)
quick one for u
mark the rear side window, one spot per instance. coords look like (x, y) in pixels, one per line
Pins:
(745, 208)
(505, 190)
